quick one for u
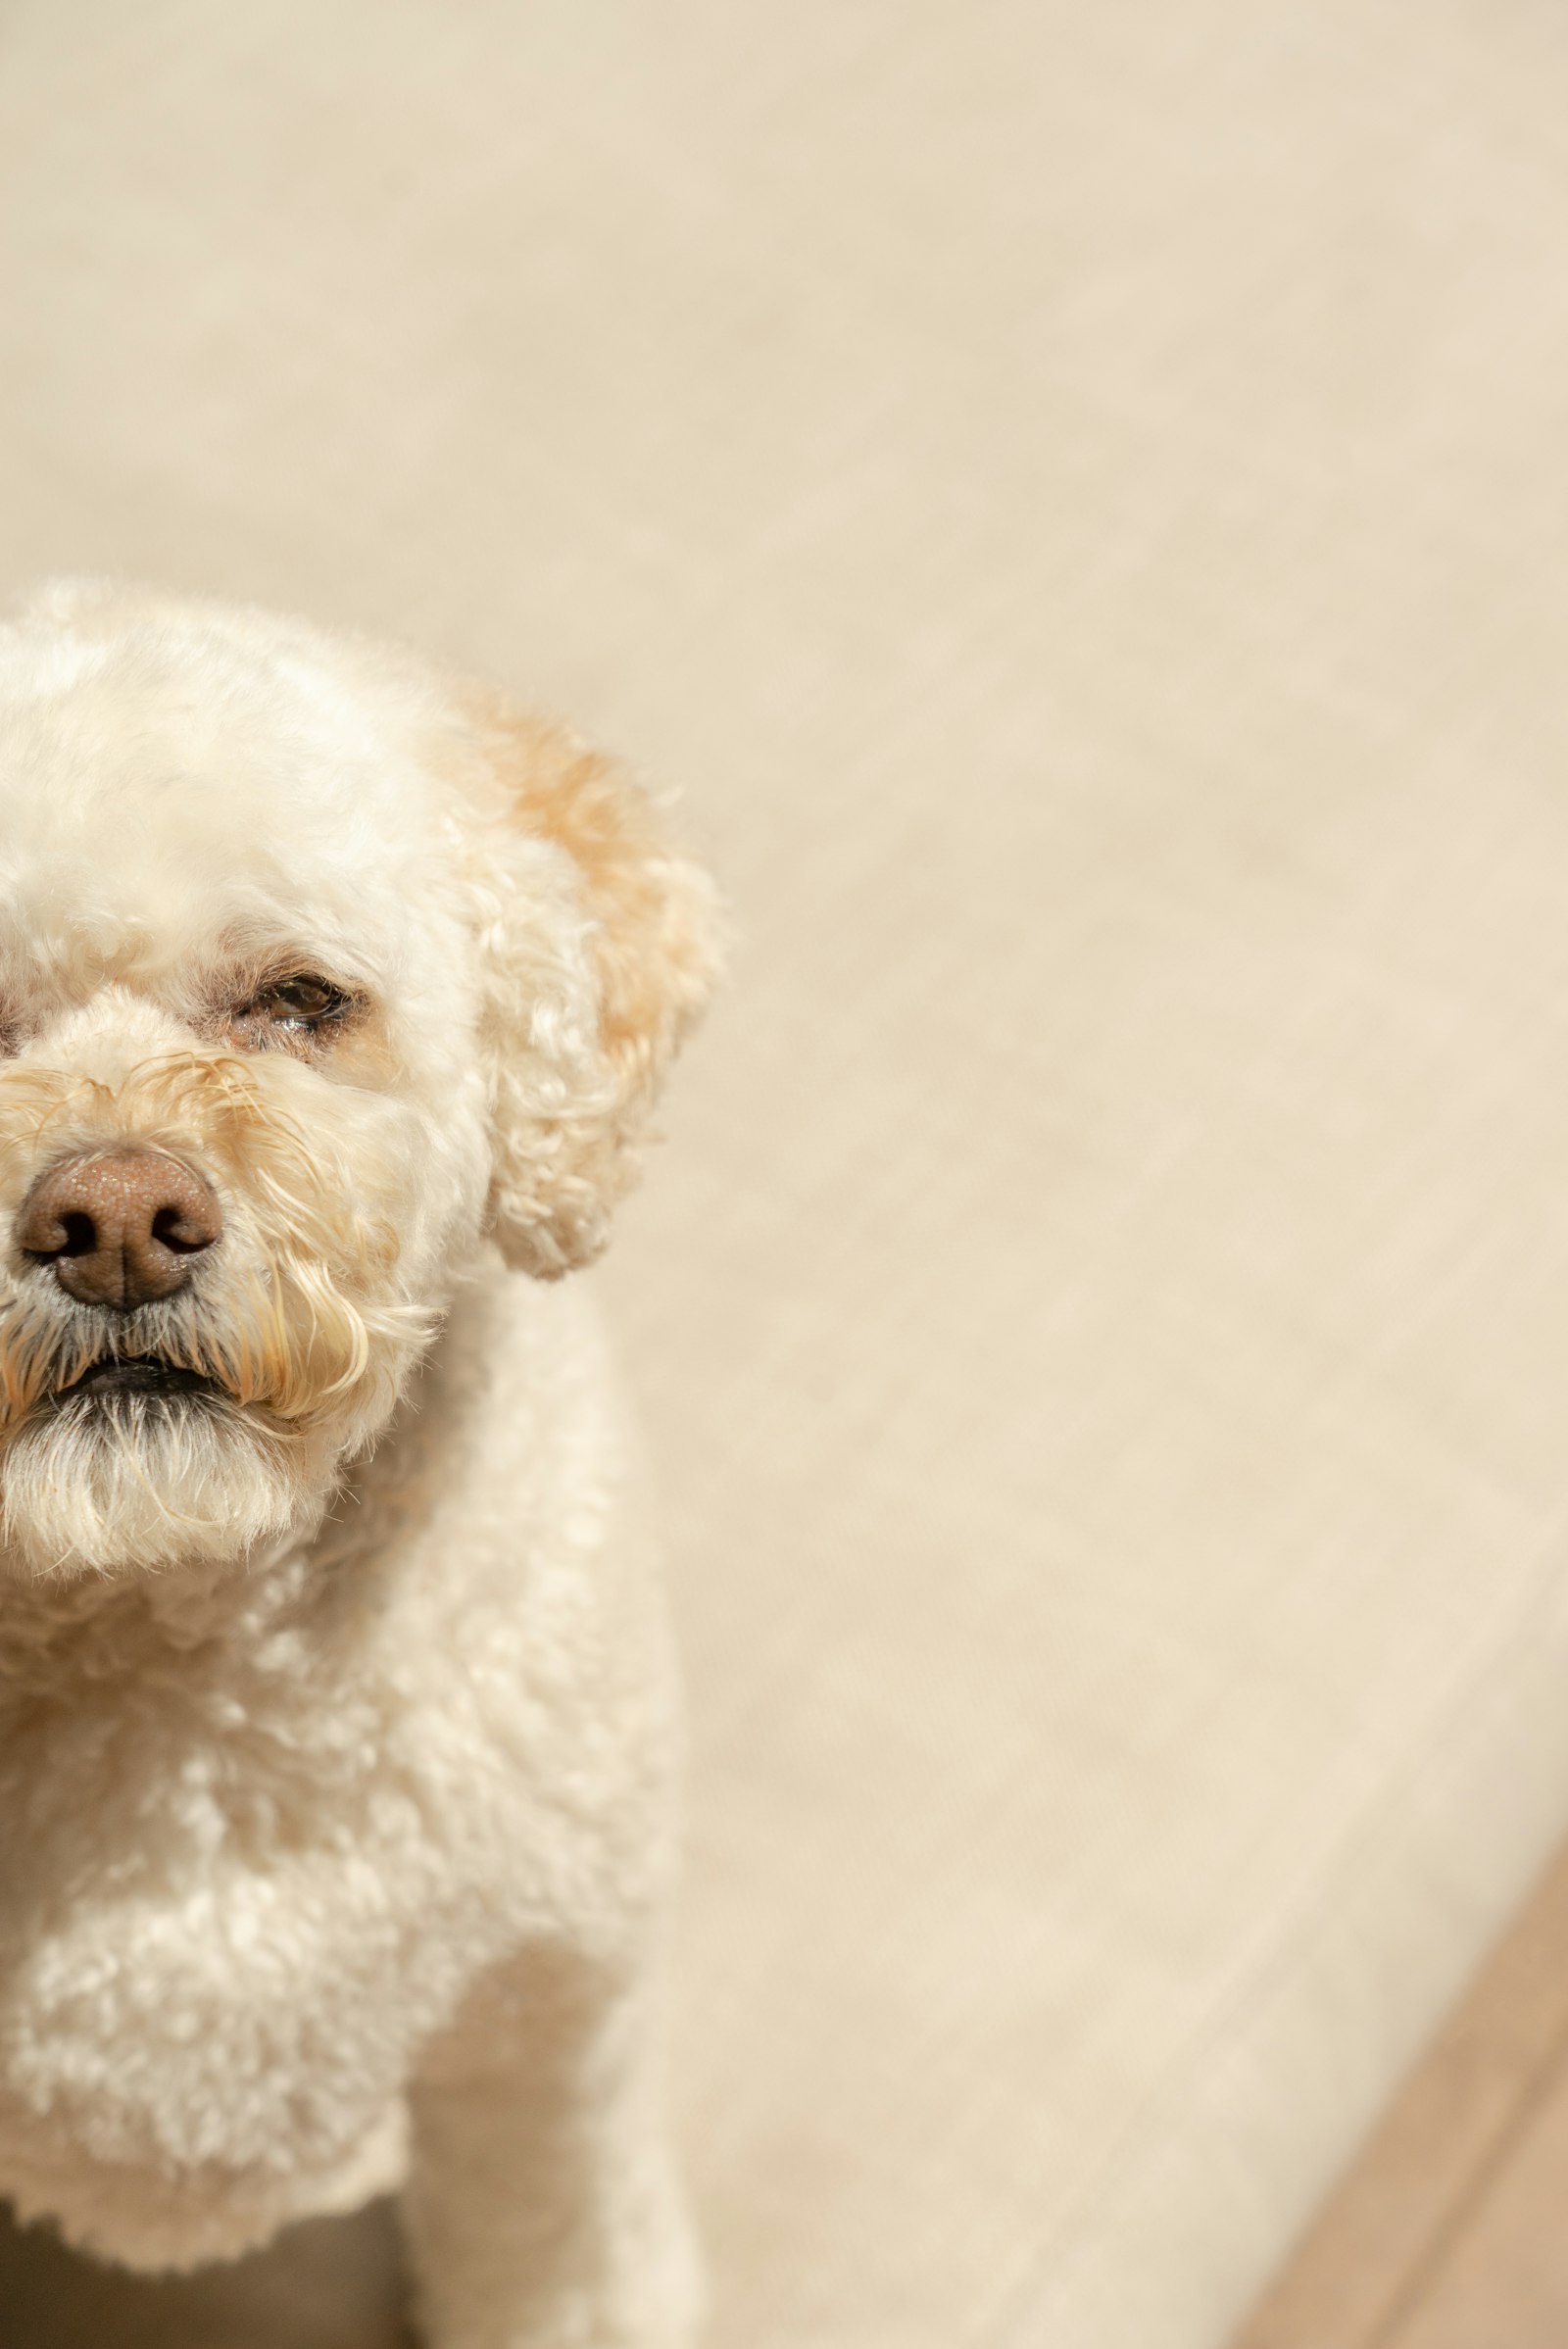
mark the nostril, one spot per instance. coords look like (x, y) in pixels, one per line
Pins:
(175, 1228)
(80, 1237)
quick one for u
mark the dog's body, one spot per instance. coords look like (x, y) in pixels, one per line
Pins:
(336, 1725)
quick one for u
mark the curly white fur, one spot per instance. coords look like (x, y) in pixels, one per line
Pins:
(336, 1722)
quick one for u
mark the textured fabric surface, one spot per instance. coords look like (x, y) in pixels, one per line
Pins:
(1075, 495)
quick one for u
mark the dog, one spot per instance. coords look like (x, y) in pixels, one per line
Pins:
(338, 1736)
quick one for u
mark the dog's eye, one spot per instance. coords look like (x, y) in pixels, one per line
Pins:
(295, 1006)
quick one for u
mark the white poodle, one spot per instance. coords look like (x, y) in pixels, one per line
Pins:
(336, 1723)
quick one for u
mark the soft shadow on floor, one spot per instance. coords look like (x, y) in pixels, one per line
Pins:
(331, 2283)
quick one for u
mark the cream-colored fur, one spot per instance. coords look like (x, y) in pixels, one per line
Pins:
(336, 1730)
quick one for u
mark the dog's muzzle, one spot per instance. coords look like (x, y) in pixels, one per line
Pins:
(118, 1228)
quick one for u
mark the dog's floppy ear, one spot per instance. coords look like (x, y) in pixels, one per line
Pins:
(598, 946)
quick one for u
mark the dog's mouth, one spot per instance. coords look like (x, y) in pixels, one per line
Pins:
(135, 1375)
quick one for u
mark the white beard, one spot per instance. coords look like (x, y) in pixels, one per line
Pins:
(136, 1481)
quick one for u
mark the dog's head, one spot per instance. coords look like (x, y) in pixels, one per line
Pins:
(315, 971)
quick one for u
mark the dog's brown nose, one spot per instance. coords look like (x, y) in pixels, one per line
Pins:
(119, 1227)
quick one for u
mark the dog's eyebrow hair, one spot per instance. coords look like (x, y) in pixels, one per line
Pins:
(236, 978)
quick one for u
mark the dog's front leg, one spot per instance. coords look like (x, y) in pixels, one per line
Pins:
(543, 2210)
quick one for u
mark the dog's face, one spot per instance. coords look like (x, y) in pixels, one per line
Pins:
(314, 973)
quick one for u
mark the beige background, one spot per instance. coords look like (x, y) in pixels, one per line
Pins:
(1075, 494)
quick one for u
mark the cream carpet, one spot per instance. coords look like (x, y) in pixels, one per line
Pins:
(1077, 497)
